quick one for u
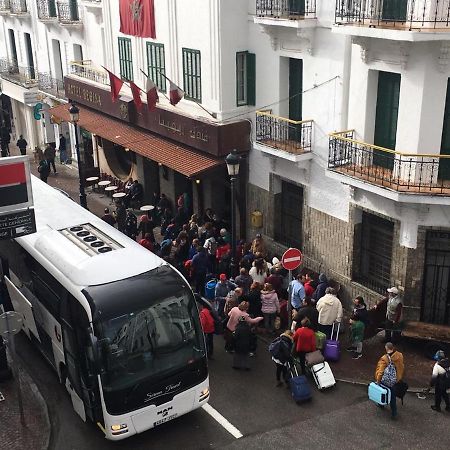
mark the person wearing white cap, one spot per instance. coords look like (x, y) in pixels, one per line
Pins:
(393, 315)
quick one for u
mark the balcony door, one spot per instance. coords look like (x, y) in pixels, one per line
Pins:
(295, 96)
(444, 164)
(388, 96)
(394, 10)
(30, 61)
(12, 44)
(296, 7)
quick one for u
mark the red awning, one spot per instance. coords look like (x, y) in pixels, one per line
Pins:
(179, 157)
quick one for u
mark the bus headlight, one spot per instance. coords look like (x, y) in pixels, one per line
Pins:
(204, 394)
(119, 429)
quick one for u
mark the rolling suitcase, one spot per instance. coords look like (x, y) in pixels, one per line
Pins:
(323, 376)
(332, 348)
(300, 389)
(379, 394)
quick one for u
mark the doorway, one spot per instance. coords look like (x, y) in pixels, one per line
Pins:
(13, 48)
(394, 10)
(388, 96)
(436, 289)
(30, 60)
(295, 97)
(444, 164)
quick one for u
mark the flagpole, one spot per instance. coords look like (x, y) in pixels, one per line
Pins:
(155, 85)
(213, 115)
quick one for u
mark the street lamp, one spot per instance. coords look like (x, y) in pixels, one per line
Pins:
(74, 118)
(233, 161)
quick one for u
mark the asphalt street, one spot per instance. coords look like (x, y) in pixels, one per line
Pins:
(341, 417)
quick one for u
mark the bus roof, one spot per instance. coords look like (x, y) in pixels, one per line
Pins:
(55, 245)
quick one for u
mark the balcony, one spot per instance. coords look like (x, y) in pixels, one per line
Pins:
(85, 69)
(365, 165)
(407, 20)
(47, 10)
(19, 7)
(69, 13)
(284, 138)
(5, 7)
(50, 85)
(292, 16)
(24, 76)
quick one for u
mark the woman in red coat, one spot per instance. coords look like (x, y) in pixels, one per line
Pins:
(305, 341)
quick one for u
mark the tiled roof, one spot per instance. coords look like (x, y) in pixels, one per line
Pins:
(178, 157)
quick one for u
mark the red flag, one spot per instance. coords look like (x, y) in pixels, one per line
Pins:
(137, 18)
(136, 95)
(152, 95)
(176, 94)
(116, 85)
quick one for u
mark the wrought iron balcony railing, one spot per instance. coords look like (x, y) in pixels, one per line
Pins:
(46, 9)
(5, 7)
(402, 14)
(286, 9)
(283, 134)
(19, 7)
(85, 69)
(68, 12)
(21, 75)
(401, 172)
(50, 85)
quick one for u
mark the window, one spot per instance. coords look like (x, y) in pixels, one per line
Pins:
(376, 252)
(288, 215)
(192, 74)
(125, 59)
(245, 79)
(156, 64)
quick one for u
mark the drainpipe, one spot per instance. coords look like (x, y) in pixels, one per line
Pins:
(346, 83)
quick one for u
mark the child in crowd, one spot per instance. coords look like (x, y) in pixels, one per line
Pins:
(356, 336)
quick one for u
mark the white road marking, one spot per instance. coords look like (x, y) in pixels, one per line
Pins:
(222, 421)
(294, 258)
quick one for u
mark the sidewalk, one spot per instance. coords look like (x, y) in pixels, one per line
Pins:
(34, 433)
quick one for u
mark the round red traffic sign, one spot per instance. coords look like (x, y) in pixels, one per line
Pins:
(292, 258)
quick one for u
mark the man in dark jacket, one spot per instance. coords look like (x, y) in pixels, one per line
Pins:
(320, 290)
(307, 310)
(22, 144)
(49, 155)
(121, 216)
(200, 266)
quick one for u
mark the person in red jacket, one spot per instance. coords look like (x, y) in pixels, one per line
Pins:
(207, 322)
(304, 341)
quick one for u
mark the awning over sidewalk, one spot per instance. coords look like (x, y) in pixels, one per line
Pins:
(178, 157)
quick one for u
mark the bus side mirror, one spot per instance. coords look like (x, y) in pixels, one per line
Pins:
(94, 352)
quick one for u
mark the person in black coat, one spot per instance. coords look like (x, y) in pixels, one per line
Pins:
(307, 310)
(254, 300)
(320, 290)
(242, 337)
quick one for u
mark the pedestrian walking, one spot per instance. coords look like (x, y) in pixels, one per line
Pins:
(390, 370)
(22, 144)
(121, 216)
(49, 155)
(393, 315)
(207, 322)
(62, 149)
(5, 139)
(281, 351)
(44, 170)
(440, 379)
(270, 307)
(330, 311)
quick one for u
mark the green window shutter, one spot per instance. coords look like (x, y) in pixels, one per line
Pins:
(125, 59)
(156, 64)
(192, 82)
(251, 79)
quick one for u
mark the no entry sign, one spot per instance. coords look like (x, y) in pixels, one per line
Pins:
(291, 259)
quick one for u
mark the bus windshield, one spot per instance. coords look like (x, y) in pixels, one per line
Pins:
(150, 338)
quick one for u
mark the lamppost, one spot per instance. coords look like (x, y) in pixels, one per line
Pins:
(74, 117)
(233, 161)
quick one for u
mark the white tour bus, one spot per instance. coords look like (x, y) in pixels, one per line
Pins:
(118, 323)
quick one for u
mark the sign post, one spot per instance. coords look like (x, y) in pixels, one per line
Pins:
(10, 325)
(292, 258)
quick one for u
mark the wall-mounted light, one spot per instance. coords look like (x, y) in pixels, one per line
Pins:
(127, 149)
(197, 181)
(159, 164)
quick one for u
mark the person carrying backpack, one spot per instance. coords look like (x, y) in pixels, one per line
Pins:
(440, 379)
(281, 350)
(44, 170)
(389, 371)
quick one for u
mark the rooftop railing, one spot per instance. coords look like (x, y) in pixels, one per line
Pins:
(18, 7)
(46, 9)
(286, 9)
(5, 7)
(405, 14)
(68, 12)
(401, 172)
(50, 85)
(86, 70)
(22, 75)
(283, 134)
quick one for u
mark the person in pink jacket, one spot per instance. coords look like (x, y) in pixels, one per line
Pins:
(270, 307)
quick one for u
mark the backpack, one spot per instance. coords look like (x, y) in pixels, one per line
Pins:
(43, 166)
(389, 377)
(278, 348)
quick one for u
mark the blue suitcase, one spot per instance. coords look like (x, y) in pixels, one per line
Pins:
(379, 394)
(300, 389)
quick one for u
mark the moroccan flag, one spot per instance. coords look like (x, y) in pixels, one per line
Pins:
(13, 184)
(136, 95)
(137, 18)
(176, 94)
(152, 94)
(116, 85)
